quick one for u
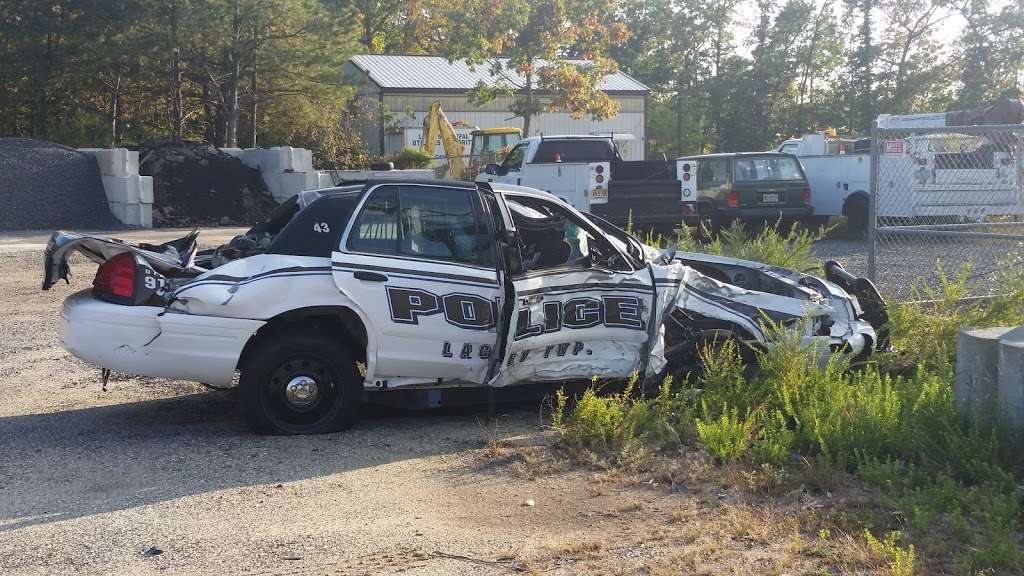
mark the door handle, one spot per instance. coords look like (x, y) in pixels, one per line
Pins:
(369, 276)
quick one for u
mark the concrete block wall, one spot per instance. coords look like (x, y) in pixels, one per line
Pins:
(285, 170)
(129, 195)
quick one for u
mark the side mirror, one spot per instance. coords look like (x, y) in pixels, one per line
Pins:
(491, 169)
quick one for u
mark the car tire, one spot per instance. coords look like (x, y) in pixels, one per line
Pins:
(300, 383)
(857, 216)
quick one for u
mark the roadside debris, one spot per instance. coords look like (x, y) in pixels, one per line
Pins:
(152, 551)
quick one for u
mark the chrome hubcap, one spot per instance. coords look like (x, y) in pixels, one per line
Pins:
(301, 391)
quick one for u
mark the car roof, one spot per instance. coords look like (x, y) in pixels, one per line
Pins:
(733, 155)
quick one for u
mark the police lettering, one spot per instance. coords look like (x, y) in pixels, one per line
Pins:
(581, 312)
(408, 305)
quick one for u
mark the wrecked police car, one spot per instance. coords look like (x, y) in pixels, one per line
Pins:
(387, 285)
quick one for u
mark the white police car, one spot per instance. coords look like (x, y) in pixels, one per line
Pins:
(386, 285)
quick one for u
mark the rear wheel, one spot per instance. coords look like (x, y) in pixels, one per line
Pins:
(298, 383)
(857, 215)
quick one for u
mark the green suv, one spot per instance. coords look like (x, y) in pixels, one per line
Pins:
(749, 186)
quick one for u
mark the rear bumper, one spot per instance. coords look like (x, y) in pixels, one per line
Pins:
(785, 211)
(147, 341)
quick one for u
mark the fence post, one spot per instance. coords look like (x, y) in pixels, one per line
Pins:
(873, 204)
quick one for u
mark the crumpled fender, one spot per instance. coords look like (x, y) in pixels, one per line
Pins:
(170, 258)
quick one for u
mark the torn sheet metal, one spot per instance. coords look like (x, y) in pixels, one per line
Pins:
(172, 258)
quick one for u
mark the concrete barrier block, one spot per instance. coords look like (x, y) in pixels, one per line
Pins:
(145, 189)
(123, 189)
(325, 180)
(117, 209)
(976, 388)
(1011, 376)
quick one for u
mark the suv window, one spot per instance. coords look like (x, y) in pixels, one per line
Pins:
(551, 237)
(551, 151)
(713, 172)
(768, 168)
(422, 221)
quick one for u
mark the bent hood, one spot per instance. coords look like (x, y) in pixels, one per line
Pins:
(170, 258)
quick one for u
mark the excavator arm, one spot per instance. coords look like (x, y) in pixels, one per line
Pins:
(437, 124)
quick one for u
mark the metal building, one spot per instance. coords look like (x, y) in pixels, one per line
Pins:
(395, 93)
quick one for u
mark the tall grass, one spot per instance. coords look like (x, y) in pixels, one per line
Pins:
(892, 423)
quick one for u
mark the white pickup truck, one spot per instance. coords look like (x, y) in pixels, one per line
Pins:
(384, 285)
(589, 173)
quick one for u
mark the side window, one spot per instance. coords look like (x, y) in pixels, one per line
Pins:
(376, 228)
(443, 224)
(713, 173)
(429, 222)
(514, 160)
(550, 237)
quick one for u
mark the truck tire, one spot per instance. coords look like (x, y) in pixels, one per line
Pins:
(856, 211)
(300, 383)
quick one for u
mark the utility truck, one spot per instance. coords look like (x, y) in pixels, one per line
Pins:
(588, 172)
(838, 171)
(922, 175)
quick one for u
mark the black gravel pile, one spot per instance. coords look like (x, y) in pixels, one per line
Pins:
(45, 186)
(199, 185)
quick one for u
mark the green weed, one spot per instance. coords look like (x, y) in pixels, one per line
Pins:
(727, 436)
(901, 560)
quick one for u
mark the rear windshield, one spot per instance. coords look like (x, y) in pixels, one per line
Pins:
(768, 168)
(550, 151)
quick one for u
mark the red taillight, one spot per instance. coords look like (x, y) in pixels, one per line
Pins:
(807, 195)
(599, 178)
(732, 199)
(599, 169)
(687, 208)
(686, 176)
(116, 276)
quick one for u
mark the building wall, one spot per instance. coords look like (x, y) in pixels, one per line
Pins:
(409, 110)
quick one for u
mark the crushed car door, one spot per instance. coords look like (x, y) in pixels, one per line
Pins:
(419, 262)
(580, 308)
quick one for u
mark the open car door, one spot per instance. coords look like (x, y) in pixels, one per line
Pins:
(579, 308)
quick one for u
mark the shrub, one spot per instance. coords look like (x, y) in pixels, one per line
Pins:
(901, 560)
(774, 441)
(726, 437)
(408, 158)
(791, 249)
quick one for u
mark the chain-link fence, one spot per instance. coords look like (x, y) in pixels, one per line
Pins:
(945, 199)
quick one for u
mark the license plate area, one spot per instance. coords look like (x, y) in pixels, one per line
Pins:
(599, 192)
(770, 198)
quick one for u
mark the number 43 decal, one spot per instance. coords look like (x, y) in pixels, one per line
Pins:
(321, 227)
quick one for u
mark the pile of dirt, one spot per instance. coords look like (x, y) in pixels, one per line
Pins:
(199, 185)
(46, 186)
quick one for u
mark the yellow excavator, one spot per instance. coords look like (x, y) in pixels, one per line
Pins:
(485, 146)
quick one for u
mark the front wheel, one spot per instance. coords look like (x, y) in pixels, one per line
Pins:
(298, 383)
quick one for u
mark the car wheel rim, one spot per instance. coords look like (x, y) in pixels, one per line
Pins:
(302, 391)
